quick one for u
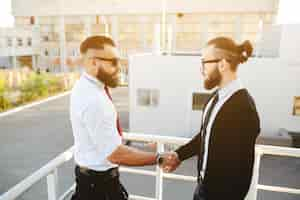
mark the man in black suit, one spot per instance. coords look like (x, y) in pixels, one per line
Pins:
(225, 145)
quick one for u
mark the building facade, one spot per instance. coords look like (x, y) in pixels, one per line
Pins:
(58, 26)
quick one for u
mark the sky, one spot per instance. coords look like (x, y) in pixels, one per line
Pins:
(289, 12)
(6, 19)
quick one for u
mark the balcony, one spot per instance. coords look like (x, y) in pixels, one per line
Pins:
(50, 171)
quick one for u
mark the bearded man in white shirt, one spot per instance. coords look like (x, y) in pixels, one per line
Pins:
(96, 128)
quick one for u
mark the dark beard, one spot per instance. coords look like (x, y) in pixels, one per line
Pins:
(107, 79)
(213, 80)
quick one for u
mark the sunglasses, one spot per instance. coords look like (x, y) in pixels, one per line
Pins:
(113, 61)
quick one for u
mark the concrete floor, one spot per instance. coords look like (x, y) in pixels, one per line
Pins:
(31, 138)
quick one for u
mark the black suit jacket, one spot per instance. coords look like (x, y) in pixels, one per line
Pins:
(231, 148)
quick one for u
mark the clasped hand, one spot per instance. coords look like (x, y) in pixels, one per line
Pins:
(170, 162)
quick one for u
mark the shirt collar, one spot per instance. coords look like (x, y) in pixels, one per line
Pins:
(93, 80)
(230, 88)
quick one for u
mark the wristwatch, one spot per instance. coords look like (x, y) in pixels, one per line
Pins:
(159, 158)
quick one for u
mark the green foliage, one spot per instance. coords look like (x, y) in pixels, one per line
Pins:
(54, 84)
(2, 84)
(35, 86)
(4, 102)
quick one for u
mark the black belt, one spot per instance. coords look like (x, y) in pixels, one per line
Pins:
(100, 175)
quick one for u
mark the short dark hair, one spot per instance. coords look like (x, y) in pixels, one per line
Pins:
(95, 42)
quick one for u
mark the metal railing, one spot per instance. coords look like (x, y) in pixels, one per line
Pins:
(49, 171)
(261, 150)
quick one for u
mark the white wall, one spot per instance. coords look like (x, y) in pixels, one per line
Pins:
(272, 83)
(289, 44)
(75, 7)
(176, 78)
(269, 45)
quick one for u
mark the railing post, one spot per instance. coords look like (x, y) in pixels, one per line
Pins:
(159, 176)
(252, 194)
(52, 185)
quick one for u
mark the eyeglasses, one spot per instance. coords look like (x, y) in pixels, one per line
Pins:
(113, 61)
(210, 61)
(203, 62)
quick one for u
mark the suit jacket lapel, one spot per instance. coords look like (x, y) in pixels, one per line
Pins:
(204, 107)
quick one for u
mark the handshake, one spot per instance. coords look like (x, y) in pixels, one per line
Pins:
(169, 161)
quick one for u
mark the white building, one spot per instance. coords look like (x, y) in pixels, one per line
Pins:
(167, 94)
(60, 25)
(18, 42)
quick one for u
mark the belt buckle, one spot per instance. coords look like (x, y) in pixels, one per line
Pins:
(114, 172)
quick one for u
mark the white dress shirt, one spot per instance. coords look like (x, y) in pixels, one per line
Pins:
(93, 117)
(224, 94)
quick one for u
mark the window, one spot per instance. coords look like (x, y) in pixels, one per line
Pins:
(74, 52)
(97, 19)
(9, 42)
(296, 110)
(74, 32)
(45, 38)
(46, 52)
(56, 51)
(147, 97)
(19, 42)
(29, 42)
(32, 20)
(199, 99)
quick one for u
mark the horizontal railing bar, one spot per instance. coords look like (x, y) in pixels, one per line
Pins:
(153, 173)
(138, 171)
(279, 151)
(136, 197)
(155, 138)
(265, 149)
(180, 177)
(278, 189)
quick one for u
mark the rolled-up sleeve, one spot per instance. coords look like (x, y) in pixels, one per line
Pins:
(100, 124)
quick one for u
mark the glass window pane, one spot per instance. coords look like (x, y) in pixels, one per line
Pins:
(143, 97)
(154, 98)
(296, 111)
(199, 99)
(148, 97)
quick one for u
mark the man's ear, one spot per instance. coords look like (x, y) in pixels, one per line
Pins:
(222, 65)
(84, 59)
(94, 62)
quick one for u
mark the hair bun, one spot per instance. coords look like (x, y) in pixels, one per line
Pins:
(246, 50)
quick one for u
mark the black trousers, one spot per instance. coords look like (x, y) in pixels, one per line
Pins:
(199, 193)
(91, 186)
